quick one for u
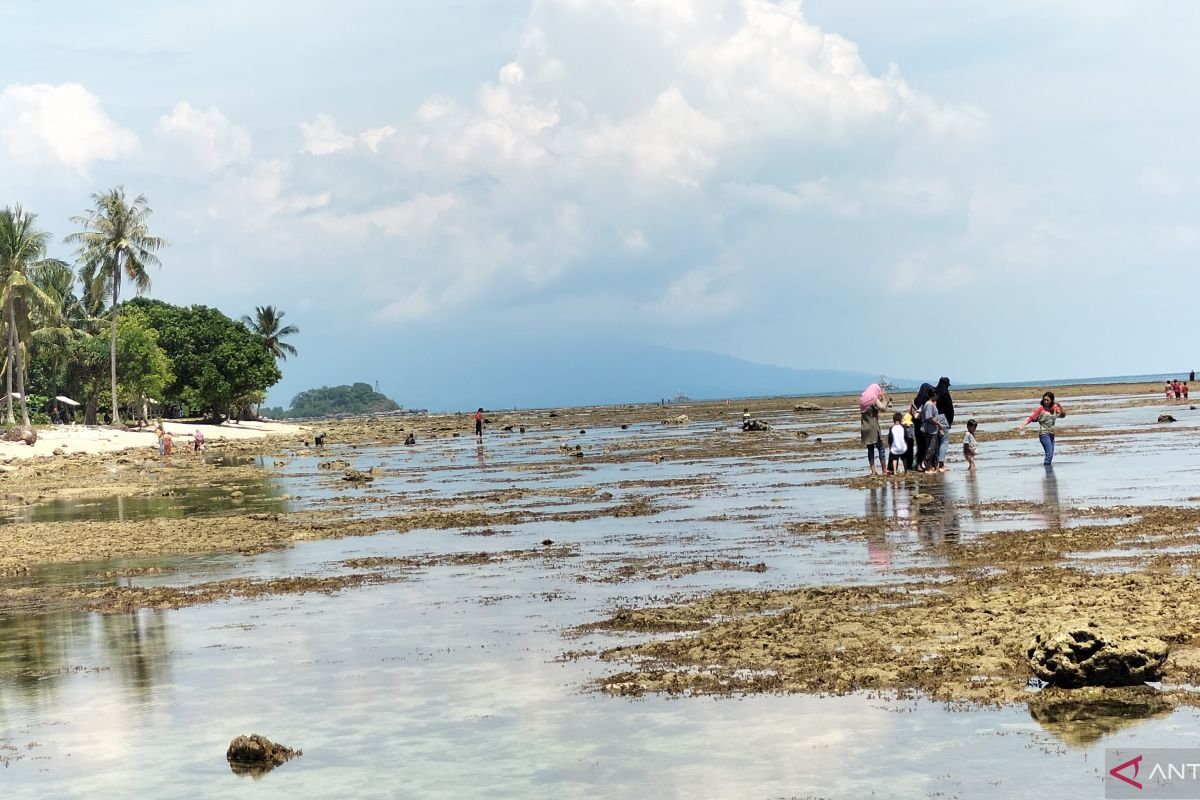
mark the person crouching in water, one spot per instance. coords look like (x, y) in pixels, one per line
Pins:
(970, 447)
(897, 444)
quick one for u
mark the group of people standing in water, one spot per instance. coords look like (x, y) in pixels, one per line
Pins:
(920, 437)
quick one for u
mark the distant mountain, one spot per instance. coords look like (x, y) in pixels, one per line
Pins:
(510, 371)
(581, 374)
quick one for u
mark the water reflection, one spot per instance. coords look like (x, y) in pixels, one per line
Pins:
(42, 651)
(1081, 717)
(263, 495)
(1051, 507)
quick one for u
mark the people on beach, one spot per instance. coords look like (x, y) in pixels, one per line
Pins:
(1169, 391)
(166, 444)
(1185, 391)
(198, 441)
(870, 403)
(970, 447)
(897, 444)
(1175, 386)
(158, 434)
(1046, 414)
(945, 406)
(479, 424)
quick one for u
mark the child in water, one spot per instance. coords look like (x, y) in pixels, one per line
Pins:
(897, 445)
(969, 445)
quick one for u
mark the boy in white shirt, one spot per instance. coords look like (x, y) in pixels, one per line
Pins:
(969, 445)
(897, 445)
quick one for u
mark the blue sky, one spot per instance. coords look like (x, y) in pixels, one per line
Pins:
(991, 192)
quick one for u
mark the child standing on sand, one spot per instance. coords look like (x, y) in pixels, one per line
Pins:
(969, 445)
(897, 445)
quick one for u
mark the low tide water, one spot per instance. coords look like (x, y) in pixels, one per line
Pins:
(451, 681)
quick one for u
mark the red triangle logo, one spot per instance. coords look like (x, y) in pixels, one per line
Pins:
(1133, 762)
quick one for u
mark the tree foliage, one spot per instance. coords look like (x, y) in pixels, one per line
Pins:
(330, 400)
(218, 363)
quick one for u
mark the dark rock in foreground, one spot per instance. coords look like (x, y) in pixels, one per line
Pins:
(1082, 654)
(1166, 418)
(255, 755)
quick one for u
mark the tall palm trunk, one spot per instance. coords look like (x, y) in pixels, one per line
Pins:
(112, 344)
(8, 370)
(18, 357)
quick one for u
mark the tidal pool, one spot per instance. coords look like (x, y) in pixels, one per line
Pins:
(451, 681)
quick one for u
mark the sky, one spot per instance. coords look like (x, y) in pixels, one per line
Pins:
(996, 192)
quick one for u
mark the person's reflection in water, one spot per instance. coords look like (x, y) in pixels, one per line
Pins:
(878, 549)
(479, 455)
(1051, 507)
(938, 519)
(973, 496)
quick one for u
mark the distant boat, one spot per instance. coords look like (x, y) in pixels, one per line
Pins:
(681, 398)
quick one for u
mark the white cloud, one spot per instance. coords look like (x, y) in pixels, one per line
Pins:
(206, 136)
(63, 124)
(412, 218)
(375, 137)
(701, 294)
(322, 137)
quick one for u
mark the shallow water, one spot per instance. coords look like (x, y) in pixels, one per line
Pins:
(449, 683)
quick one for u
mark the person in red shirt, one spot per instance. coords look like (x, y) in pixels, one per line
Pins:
(1178, 391)
(479, 424)
(1185, 391)
(1045, 415)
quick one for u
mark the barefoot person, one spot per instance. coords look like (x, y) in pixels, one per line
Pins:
(479, 424)
(870, 403)
(1045, 415)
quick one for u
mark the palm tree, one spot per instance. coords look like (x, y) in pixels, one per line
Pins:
(266, 324)
(116, 241)
(22, 252)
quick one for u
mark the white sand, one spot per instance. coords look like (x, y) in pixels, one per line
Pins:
(79, 439)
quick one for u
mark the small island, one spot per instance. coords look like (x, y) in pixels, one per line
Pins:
(331, 401)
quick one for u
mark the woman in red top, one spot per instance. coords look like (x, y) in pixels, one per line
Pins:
(1045, 416)
(479, 424)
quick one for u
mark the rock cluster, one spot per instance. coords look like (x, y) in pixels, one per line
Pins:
(254, 754)
(1082, 654)
(26, 435)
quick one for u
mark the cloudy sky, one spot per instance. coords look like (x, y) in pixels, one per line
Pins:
(989, 191)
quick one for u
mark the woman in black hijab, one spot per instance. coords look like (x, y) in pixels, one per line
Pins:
(914, 409)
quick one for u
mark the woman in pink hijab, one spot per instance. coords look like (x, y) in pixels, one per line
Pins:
(870, 403)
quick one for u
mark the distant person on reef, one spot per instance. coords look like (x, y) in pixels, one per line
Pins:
(1192, 376)
(1177, 389)
(870, 403)
(166, 444)
(479, 424)
(1170, 391)
(1185, 391)
(1045, 415)
(198, 441)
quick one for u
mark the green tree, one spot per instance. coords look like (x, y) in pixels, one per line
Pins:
(145, 368)
(116, 242)
(217, 361)
(267, 323)
(22, 250)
